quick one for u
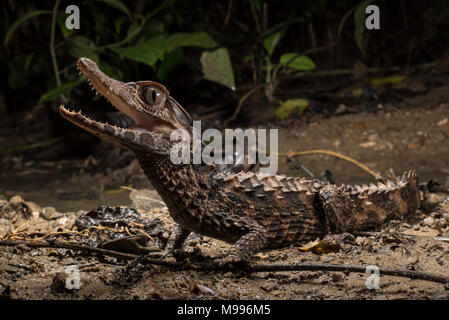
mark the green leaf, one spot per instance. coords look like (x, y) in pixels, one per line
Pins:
(83, 47)
(217, 67)
(63, 88)
(154, 49)
(151, 30)
(296, 61)
(271, 42)
(19, 21)
(118, 5)
(131, 32)
(288, 106)
(173, 60)
(359, 22)
(111, 71)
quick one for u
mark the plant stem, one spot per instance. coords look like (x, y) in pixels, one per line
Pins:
(52, 47)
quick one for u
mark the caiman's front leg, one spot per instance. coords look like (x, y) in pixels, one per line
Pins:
(251, 237)
(245, 247)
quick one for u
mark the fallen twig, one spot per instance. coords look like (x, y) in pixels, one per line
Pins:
(331, 153)
(261, 267)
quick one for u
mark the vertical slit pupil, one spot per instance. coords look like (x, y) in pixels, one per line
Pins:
(153, 96)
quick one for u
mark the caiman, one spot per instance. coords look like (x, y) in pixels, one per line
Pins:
(252, 211)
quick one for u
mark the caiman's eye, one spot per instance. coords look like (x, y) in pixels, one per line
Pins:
(152, 95)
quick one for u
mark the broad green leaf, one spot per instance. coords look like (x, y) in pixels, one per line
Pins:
(154, 49)
(359, 22)
(83, 47)
(133, 29)
(288, 106)
(111, 71)
(296, 61)
(19, 21)
(148, 52)
(217, 67)
(170, 63)
(118, 5)
(271, 42)
(63, 88)
(151, 30)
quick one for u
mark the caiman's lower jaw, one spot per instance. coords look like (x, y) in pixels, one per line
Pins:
(108, 131)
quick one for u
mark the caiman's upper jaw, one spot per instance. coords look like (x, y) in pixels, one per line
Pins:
(121, 95)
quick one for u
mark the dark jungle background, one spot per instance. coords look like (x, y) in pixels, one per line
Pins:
(280, 64)
(350, 104)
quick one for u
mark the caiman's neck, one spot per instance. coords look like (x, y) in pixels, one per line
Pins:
(177, 184)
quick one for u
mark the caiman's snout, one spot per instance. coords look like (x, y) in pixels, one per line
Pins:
(86, 63)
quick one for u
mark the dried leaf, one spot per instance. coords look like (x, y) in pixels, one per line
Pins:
(320, 246)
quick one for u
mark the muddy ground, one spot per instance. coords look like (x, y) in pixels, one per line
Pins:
(413, 135)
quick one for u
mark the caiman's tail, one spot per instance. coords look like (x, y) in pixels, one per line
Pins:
(376, 204)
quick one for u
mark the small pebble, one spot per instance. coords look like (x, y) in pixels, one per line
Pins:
(16, 201)
(429, 221)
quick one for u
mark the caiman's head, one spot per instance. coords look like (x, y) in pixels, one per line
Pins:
(154, 112)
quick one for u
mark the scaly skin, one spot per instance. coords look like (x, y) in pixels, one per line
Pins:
(251, 211)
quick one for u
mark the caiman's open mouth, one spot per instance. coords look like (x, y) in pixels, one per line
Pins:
(121, 95)
(147, 103)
